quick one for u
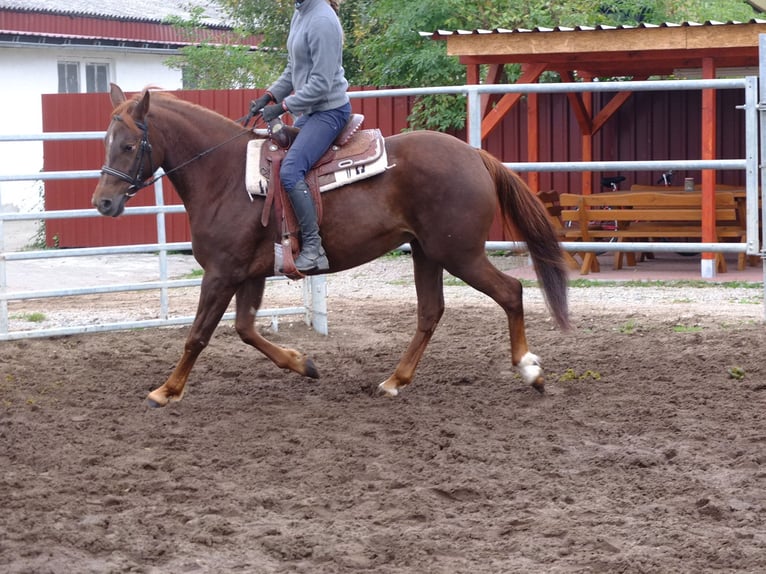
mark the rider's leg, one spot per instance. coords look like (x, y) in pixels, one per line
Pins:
(317, 132)
(312, 256)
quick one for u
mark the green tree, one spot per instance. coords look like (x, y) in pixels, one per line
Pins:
(384, 47)
(215, 67)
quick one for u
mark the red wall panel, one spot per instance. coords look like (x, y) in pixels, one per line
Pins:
(650, 125)
(91, 112)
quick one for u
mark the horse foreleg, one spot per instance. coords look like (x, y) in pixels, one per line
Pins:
(213, 300)
(249, 297)
(429, 289)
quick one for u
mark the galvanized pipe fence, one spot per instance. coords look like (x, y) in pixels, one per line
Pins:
(314, 307)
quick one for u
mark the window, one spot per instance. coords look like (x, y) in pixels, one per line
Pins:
(96, 77)
(69, 77)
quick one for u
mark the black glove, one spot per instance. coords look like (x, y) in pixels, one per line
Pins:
(272, 112)
(257, 105)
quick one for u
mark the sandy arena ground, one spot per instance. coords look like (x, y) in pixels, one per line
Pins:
(646, 454)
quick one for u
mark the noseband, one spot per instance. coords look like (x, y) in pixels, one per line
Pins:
(144, 152)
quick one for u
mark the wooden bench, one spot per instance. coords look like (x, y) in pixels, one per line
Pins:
(550, 200)
(645, 216)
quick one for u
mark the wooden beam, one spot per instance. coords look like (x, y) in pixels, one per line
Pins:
(576, 101)
(472, 73)
(612, 106)
(495, 75)
(552, 45)
(529, 75)
(586, 178)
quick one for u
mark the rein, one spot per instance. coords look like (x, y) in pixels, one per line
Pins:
(145, 148)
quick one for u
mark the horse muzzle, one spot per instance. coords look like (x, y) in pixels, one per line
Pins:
(110, 207)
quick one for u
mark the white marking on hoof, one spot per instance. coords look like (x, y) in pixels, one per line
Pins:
(386, 391)
(530, 369)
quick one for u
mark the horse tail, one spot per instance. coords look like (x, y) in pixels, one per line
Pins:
(519, 206)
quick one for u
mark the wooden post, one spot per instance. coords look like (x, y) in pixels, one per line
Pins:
(708, 175)
(587, 141)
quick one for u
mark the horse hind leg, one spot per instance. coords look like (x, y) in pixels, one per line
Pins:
(430, 295)
(506, 291)
(249, 298)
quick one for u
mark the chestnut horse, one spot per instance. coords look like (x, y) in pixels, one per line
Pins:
(440, 195)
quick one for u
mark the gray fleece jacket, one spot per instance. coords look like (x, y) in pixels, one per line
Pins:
(314, 70)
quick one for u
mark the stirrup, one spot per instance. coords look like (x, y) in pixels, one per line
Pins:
(320, 263)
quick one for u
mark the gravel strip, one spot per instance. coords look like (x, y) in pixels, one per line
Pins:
(384, 280)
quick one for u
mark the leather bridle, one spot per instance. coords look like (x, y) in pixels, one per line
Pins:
(144, 152)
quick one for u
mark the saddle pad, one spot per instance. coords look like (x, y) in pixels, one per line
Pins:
(255, 183)
(346, 170)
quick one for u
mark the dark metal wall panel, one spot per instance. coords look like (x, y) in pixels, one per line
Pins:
(649, 126)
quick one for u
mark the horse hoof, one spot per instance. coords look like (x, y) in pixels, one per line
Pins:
(539, 385)
(530, 370)
(387, 391)
(156, 402)
(310, 369)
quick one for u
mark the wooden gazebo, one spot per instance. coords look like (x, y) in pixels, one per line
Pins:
(587, 53)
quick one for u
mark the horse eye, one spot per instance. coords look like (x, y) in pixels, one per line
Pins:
(129, 147)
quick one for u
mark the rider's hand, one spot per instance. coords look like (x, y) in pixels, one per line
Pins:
(272, 112)
(257, 105)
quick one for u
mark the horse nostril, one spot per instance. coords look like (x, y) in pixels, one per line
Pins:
(105, 205)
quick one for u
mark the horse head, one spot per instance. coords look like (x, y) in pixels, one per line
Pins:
(129, 162)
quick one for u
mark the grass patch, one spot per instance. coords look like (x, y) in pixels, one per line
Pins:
(396, 254)
(194, 274)
(628, 328)
(453, 281)
(750, 301)
(687, 329)
(571, 375)
(36, 317)
(581, 283)
(737, 373)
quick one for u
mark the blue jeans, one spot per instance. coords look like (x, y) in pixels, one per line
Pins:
(318, 131)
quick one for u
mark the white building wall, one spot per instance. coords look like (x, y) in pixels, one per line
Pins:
(28, 72)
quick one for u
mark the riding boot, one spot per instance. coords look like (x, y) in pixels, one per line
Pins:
(312, 256)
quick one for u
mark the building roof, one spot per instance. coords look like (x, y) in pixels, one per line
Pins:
(140, 24)
(143, 10)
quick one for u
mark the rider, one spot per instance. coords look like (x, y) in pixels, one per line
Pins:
(315, 77)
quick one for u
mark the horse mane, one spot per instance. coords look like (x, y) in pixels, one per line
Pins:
(158, 97)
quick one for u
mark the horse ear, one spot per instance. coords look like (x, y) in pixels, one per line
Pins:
(142, 107)
(116, 94)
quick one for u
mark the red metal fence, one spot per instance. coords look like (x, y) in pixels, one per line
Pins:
(649, 126)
